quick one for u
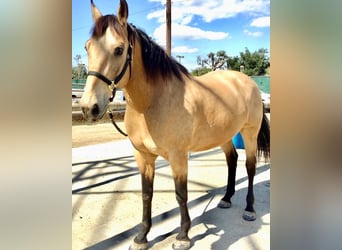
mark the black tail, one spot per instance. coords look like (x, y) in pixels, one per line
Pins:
(264, 139)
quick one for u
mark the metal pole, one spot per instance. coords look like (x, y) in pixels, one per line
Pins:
(168, 27)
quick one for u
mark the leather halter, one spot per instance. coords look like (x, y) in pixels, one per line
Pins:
(112, 83)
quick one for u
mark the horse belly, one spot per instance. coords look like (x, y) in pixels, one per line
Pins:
(210, 135)
(220, 109)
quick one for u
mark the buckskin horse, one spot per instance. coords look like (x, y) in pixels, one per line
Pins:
(169, 112)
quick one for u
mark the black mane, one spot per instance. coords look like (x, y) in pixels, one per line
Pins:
(156, 62)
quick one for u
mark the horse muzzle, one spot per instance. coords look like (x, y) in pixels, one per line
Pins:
(92, 113)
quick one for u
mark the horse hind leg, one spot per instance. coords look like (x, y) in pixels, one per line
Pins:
(231, 158)
(250, 140)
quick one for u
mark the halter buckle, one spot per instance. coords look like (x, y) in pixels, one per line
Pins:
(112, 86)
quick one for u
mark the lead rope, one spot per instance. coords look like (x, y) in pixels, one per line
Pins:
(114, 123)
(111, 114)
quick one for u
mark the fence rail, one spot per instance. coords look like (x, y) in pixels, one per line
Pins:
(118, 109)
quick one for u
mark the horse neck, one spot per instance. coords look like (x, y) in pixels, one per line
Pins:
(138, 92)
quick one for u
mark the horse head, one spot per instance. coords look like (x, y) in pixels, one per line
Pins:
(109, 55)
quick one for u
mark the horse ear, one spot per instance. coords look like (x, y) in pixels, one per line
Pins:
(123, 12)
(95, 11)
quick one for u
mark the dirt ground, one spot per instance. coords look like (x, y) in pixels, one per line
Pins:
(84, 135)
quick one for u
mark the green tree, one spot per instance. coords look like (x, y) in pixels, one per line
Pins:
(80, 71)
(200, 71)
(214, 61)
(233, 63)
(256, 63)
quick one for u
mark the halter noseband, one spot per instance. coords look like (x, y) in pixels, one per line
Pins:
(112, 84)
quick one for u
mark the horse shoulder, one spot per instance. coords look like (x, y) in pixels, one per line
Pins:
(145, 132)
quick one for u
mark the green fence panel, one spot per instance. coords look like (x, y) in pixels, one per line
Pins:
(263, 83)
(78, 83)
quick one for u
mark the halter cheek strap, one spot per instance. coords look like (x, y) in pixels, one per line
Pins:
(112, 84)
(101, 77)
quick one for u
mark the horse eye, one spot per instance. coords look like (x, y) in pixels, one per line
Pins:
(118, 51)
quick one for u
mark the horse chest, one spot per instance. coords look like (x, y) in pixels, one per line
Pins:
(141, 137)
(147, 144)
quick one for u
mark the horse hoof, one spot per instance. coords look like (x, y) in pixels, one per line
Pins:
(136, 246)
(249, 216)
(224, 204)
(181, 245)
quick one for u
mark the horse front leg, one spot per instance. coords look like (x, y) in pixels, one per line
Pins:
(146, 165)
(179, 165)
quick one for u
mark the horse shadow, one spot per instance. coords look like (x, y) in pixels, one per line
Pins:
(226, 225)
(221, 227)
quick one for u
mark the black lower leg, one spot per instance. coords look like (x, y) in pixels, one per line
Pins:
(145, 226)
(182, 198)
(231, 159)
(250, 165)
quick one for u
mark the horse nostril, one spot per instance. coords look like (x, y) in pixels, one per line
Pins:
(95, 110)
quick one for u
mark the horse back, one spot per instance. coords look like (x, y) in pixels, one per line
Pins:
(230, 90)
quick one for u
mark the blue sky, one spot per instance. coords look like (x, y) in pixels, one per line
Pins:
(198, 26)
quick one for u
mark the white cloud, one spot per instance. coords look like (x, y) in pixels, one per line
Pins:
(261, 22)
(186, 20)
(178, 16)
(187, 33)
(184, 49)
(253, 34)
(159, 15)
(211, 10)
(161, 1)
